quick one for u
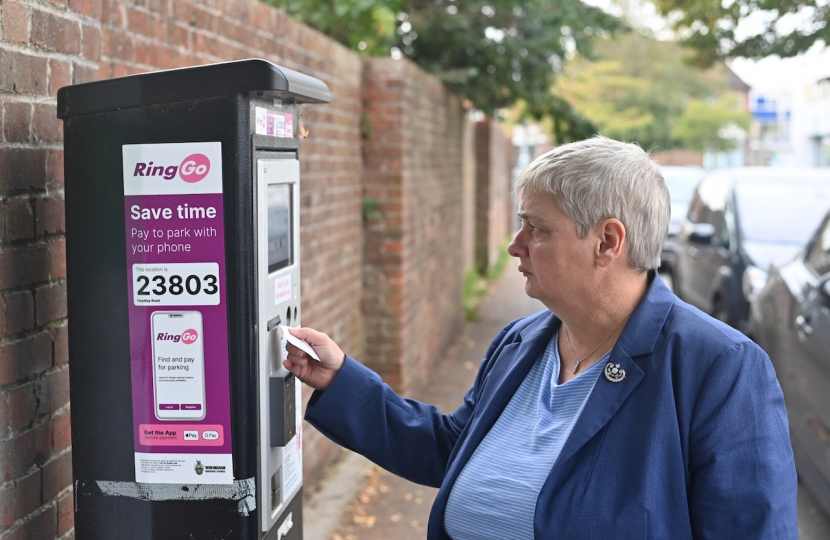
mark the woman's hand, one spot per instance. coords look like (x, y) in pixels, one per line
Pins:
(316, 374)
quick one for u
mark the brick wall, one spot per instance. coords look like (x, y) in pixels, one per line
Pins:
(494, 207)
(402, 265)
(43, 46)
(415, 240)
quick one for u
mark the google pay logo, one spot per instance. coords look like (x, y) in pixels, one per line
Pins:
(193, 169)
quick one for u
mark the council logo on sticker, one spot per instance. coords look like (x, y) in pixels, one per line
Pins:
(199, 468)
(189, 336)
(194, 168)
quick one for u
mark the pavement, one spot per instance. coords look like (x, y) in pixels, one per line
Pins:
(357, 500)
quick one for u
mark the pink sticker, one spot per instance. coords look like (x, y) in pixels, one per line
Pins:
(181, 434)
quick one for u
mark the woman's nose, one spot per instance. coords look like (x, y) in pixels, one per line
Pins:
(516, 247)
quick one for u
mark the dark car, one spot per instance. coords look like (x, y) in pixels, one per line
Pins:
(681, 182)
(740, 222)
(790, 319)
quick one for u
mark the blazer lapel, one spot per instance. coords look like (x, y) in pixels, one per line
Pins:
(605, 400)
(637, 340)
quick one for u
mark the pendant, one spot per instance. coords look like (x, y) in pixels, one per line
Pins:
(613, 372)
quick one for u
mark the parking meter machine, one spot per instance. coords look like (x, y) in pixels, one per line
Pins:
(183, 271)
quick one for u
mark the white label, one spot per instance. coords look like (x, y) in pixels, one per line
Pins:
(172, 169)
(176, 284)
(184, 468)
(282, 289)
(292, 453)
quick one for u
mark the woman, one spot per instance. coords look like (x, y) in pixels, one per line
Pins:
(619, 412)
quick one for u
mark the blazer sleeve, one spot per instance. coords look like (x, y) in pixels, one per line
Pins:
(743, 479)
(411, 439)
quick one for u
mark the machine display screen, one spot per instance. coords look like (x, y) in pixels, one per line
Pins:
(279, 227)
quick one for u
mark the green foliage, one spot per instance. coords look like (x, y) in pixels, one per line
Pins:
(639, 88)
(702, 124)
(476, 286)
(367, 26)
(714, 30)
(493, 52)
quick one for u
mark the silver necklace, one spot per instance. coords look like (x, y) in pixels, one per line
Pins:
(578, 360)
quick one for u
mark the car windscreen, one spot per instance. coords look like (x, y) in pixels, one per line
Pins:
(681, 187)
(783, 212)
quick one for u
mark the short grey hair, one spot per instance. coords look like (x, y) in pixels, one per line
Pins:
(600, 178)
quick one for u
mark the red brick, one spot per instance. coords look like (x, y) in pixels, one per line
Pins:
(23, 405)
(2, 334)
(22, 358)
(91, 42)
(90, 8)
(54, 391)
(15, 22)
(66, 516)
(20, 312)
(59, 75)
(16, 220)
(54, 168)
(19, 455)
(61, 431)
(23, 265)
(5, 430)
(40, 527)
(57, 258)
(50, 217)
(46, 126)
(22, 168)
(117, 44)
(60, 347)
(83, 74)
(22, 74)
(55, 33)
(17, 121)
(20, 499)
(57, 476)
(51, 303)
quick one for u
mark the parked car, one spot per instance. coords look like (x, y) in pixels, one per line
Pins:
(681, 182)
(741, 221)
(790, 319)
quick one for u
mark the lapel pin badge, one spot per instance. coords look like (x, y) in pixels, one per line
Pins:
(613, 372)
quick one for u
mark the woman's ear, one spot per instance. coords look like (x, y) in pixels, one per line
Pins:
(612, 237)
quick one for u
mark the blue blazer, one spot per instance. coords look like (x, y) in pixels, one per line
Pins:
(693, 443)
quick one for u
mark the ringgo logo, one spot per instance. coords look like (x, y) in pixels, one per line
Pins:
(187, 337)
(192, 169)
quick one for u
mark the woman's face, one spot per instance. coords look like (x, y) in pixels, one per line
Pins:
(553, 259)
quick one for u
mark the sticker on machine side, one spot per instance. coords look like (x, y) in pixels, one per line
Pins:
(178, 316)
(274, 123)
(184, 468)
(282, 289)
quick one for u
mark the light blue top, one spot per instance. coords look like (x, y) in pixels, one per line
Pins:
(495, 494)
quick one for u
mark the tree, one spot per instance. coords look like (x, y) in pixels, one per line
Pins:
(639, 88)
(493, 52)
(748, 28)
(703, 124)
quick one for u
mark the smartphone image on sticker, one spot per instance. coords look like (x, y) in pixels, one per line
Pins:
(178, 365)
